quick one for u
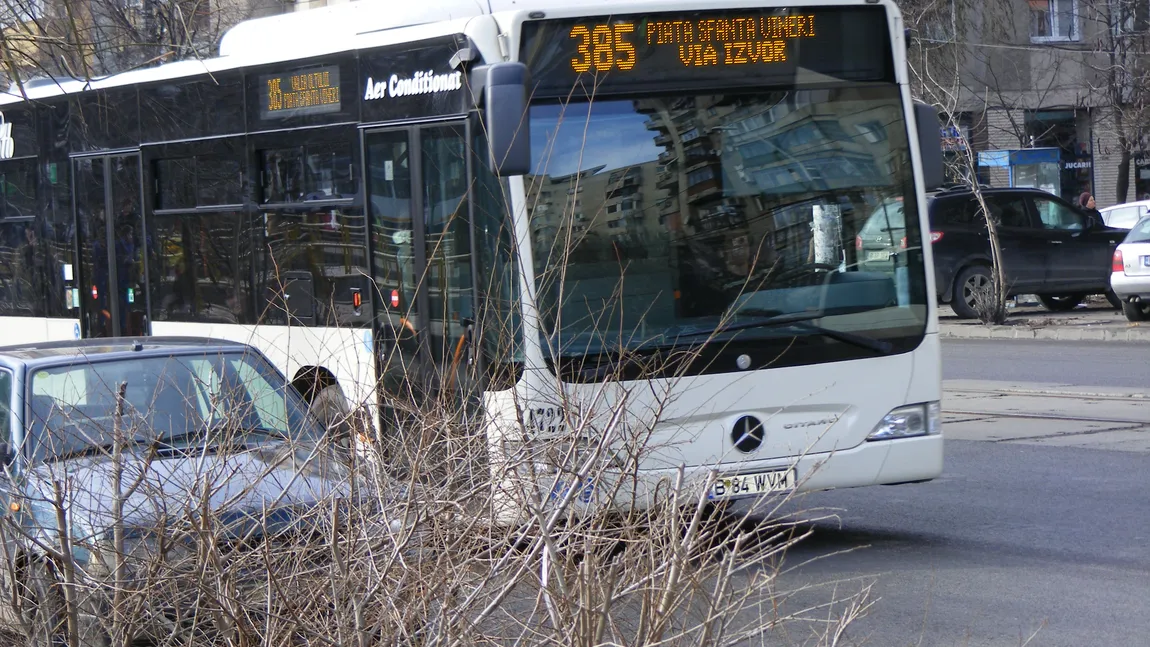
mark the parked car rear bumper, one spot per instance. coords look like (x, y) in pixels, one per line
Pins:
(1126, 286)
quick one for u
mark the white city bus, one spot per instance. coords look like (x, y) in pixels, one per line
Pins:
(652, 210)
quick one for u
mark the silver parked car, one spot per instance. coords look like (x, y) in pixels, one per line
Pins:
(1123, 216)
(140, 448)
(1130, 273)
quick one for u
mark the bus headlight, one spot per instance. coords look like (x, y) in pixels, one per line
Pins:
(908, 422)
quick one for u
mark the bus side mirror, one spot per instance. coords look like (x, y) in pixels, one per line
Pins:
(505, 113)
(929, 146)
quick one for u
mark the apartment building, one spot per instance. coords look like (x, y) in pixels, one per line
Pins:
(1033, 102)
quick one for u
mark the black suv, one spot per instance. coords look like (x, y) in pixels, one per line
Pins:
(1049, 247)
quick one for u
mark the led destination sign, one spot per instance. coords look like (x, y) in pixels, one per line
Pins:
(740, 40)
(303, 92)
(631, 52)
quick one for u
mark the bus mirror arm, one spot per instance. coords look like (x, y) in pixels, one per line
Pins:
(504, 87)
(929, 146)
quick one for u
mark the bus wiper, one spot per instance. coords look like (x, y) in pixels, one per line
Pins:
(604, 369)
(802, 321)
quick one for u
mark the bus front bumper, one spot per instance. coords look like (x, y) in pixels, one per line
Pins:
(885, 462)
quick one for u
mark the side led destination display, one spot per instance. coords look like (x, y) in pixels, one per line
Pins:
(639, 51)
(302, 92)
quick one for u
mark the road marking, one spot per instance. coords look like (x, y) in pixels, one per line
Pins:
(983, 415)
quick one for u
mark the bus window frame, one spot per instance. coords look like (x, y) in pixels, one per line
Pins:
(257, 142)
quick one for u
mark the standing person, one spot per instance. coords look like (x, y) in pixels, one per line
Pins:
(1086, 202)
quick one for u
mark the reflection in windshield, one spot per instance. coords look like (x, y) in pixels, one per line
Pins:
(658, 217)
(166, 399)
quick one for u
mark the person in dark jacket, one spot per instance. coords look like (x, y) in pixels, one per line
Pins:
(1086, 203)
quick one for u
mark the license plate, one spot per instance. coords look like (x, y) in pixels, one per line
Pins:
(877, 256)
(1146, 261)
(743, 485)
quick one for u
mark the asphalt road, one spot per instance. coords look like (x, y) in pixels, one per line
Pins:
(1012, 541)
(1017, 544)
(1084, 364)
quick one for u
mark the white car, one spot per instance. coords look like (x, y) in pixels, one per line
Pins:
(1123, 216)
(1130, 272)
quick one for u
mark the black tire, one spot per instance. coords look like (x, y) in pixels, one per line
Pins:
(1113, 299)
(966, 285)
(44, 605)
(1061, 302)
(1135, 311)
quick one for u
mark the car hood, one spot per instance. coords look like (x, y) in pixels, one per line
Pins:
(244, 491)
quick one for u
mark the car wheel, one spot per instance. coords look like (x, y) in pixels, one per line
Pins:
(44, 607)
(1061, 302)
(1135, 311)
(1113, 300)
(970, 288)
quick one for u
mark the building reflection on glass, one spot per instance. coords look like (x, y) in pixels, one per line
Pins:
(722, 194)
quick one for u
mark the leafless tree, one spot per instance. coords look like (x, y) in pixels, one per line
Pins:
(950, 71)
(88, 39)
(415, 533)
(1115, 33)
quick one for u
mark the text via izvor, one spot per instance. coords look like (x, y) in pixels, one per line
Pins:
(7, 144)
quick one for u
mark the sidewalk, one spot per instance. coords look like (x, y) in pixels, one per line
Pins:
(1096, 320)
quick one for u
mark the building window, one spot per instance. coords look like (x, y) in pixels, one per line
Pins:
(873, 131)
(938, 22)
(700, 176)
(1053, 20)
(19, 13)
(1129, 16)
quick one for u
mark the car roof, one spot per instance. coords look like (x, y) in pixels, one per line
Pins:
(114, 347)
(1135, 203)
(965, 190)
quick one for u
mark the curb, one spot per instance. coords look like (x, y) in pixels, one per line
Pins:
(1052, 333)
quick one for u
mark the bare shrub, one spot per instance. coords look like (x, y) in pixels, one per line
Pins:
(239, 542)
(438, 523)
(986, 304)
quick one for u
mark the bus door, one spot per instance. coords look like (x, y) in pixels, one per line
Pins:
(418, 194)
(106, 199)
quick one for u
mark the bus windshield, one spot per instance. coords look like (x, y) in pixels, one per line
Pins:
(654, 218)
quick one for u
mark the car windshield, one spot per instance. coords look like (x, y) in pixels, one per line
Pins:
(181, 400)
(656, 217)
(1140, 233)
